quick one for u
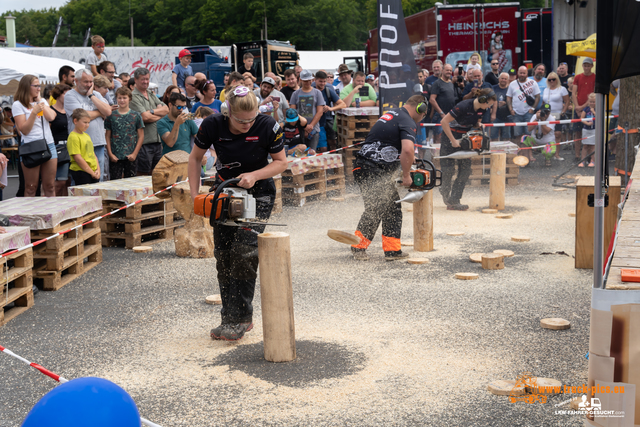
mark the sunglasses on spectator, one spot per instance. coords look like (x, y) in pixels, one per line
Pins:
(563, 63)
(551, 80)
(494, 63)
(181, 107)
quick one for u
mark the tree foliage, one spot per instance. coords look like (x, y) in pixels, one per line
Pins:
(309, 24)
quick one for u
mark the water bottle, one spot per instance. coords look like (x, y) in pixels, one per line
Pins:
(357, 102)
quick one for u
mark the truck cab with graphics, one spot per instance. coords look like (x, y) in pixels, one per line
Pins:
(268, 56)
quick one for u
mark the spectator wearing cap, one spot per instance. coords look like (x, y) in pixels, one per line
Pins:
(308, 102)
(333, 103)
(583, 84)
(344, 75)
(268, 94)
(292, 84)
(351, 92)
(513, 75)
(294, 128)
(208, 90)
(541, 134)
(182, 70)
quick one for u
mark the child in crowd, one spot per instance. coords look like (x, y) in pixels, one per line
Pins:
(84, 166)
(183, 69)
(247, 67)
(589, 131)
(96, 57)
(101, 84)
(124, 136)
(293, 128)
(209, 158)
(474, 62)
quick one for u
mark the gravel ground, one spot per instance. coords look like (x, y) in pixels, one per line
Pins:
(378, 343)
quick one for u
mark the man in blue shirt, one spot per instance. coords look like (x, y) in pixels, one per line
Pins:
(333, 102)
(174, 128)
(539, 74)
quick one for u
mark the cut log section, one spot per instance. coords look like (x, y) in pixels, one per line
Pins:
(142, 249)
(504, 216)
(418, 260)
(559, 189)
(505, 252)
(343, 237)
(477, 257)
(505, 388)
(544, 386)
(490, 211)
(336, 199)
(171, 168)
(455, 233)
(520, 161)
(555, 323)
(467, 276)
(406, 244)
(520, 238)
(492, 261)
(214, 299)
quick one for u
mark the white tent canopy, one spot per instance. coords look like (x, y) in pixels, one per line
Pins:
(14, 65)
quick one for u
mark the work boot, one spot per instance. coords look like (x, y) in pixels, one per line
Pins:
(457, 207)
(360, 254)
(394, 255)
(231, 332)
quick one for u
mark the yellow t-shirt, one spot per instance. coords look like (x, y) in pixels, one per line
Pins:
(81, 144)
(222, 97)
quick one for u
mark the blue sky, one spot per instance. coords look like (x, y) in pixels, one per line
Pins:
(32, 4)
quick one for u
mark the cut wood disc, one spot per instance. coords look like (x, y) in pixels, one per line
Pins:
(417, 260)
(520, 238)
(477, 257)
(142, 249)
(555, 323)
(559, 189)
(572, 214)
(521, 160)
(544, 386)
(504, 216)
(455, 233)
(490, 211)
(343, 237)
(505, 252)
(467, 276)
(505, 388)
(574, 403)
(336, 199)
(214, 299)
(406, 244)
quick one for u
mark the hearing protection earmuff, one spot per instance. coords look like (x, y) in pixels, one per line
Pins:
(483, 99)
(422, 108)
(238, 91)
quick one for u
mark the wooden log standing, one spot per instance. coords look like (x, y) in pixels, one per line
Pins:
(171, 168)
(497, 180)
(423, 223)
(195, 239)
(493, 261)
(276, 295)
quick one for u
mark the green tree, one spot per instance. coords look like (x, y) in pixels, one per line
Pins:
(125, 41)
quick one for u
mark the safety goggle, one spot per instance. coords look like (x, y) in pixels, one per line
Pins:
(244, 122)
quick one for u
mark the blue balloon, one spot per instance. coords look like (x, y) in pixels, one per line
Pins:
(82, 402)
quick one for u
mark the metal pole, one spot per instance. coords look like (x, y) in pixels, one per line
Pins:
(626, 157)
(598, 210)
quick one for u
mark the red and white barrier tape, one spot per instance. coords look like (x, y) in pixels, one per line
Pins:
(548, 122)
(430, 147)
(56, 377)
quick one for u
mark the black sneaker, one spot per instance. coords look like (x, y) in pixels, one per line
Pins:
(457, 207)
(231, 332)
(394, 255)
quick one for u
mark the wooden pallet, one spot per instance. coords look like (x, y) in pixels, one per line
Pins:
(348, 157)
(354, 127)
(17, 284)
(148, 236)
(481, 170)
(150, 208)
(315, 185)
(335, 179)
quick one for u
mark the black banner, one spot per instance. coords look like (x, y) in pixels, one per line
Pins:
(618, 43)
(396, 64)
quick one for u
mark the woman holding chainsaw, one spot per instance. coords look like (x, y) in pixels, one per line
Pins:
(243, 140)
(455, 126)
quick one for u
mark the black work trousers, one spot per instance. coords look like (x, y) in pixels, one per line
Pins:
(236, 253)
(452, 190)
(377, 185)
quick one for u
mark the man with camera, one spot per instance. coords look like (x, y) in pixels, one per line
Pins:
(541, 135)
(459, 82)
(522, 97)
(358, 89)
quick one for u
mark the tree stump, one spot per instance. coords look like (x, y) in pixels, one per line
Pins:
(172, 168)
(493, 261)
(195, 239)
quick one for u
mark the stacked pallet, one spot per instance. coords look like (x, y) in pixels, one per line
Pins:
(348, 157)
(17, 285)
(481, 171)
(313, 185)
(151, 221)
(63, 258)
(352, 129)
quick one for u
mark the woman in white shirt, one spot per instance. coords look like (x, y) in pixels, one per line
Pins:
(30, 112)
(557, 97)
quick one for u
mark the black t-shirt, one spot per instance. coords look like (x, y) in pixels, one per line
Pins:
(563, 81)
(491, 78)
(384, 142)
(59, 129)
(501, 95)
(466, 117)
(445, 94)
(287, 92)
(242, 69)
(242, 153)
(293, 134)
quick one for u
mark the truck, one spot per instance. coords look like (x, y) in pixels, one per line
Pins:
(452, 33)
(268, 56)
(537, 37)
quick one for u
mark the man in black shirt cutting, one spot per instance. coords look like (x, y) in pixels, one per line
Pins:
(243, 140)
(388, 148)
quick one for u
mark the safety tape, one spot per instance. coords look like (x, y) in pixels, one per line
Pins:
(430, 147)
(548, 122)
(56, 377)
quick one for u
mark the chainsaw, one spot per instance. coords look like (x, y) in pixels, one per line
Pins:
(475, 140)
(228, 205)
(424, 177)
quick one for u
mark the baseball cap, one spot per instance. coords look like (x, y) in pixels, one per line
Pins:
(371, 77)
(269, 80)
(305, 75)
(588, 60)
(546, 108)
(291, 115)
(183, 53)
(342, 68)
(513, 72)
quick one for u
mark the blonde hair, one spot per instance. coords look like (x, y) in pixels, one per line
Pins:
(101, 81)
(96, 39)
(475, 54)
(23, 93)
(554, 75)
(247, 103)
(591, 96)
(202, 112)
